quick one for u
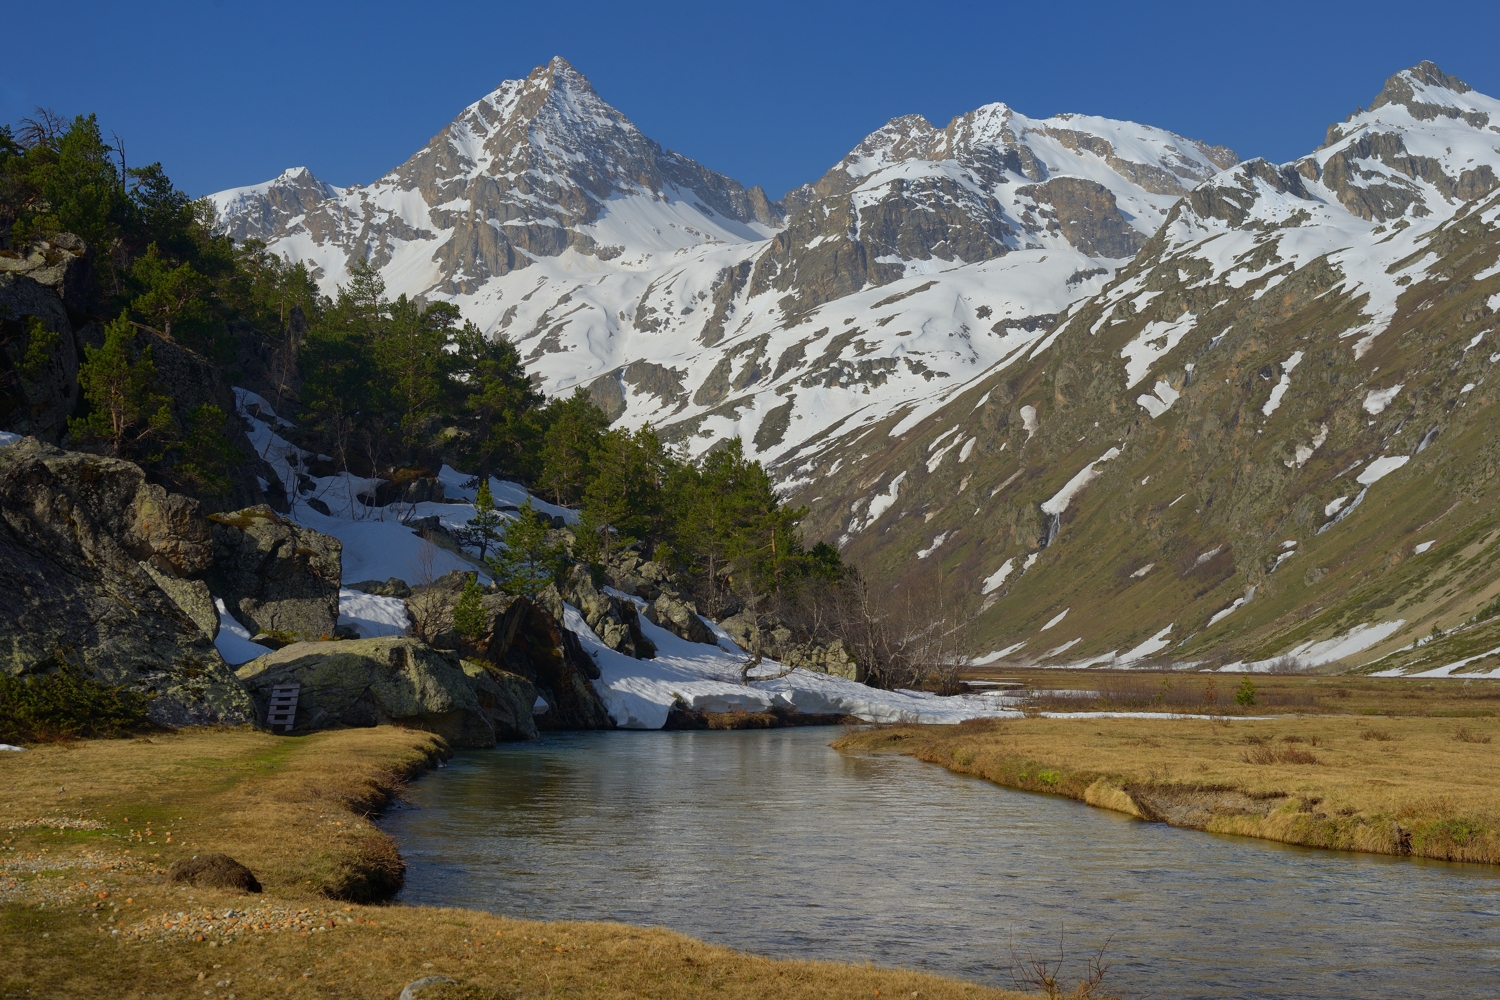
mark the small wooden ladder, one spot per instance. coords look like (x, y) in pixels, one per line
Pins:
(282, 710)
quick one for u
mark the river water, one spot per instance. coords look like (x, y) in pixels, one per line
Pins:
(771, 842)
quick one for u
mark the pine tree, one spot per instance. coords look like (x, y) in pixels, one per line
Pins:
(626, 492)
(207, 452)
(468, 613)
(484, 527)
(124, 408)
(170, 294)
(569, 445)
(526, 562)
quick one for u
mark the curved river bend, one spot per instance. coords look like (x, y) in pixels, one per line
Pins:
(771, 842)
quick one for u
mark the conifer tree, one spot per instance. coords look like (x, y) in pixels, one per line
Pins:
(569, 445)
(124, 408)
(526, 562)
(468, 613)
(170, 294)
(485, 526)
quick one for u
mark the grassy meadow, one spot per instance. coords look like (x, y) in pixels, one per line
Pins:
(1418, 785)
(87, 830)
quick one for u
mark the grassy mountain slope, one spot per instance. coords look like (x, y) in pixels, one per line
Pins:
(1235, 389)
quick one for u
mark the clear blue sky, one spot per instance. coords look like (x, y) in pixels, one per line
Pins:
(226, 92)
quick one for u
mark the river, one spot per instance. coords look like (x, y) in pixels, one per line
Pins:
(771, 842)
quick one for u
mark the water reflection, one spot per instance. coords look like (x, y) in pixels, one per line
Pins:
(771, 842)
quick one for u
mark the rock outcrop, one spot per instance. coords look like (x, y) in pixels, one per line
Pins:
(778, 644)
(366, 682)
(84, 542)
(522, 638)
(680, 618)
(615, 621)
(519, 636)
(274, 576)
(39, 286)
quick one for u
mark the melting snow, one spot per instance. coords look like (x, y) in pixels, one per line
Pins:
(1419, 549)
(1063, 614)
(939, 540)
(1074, 486)
(1154, 341)
(372, 615)
(1162, 400)
(233, 640)
(1279, 390)
(997, 579)
(1028, 420)
(1377, 400)
(1382, 467)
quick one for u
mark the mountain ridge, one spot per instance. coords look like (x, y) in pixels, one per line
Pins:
(688, 320)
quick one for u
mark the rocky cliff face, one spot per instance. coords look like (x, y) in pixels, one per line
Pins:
(1270, 433)
(82, 541)
(538, 167)
(991, 182)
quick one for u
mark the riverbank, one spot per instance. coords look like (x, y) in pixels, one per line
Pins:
(88, 830)
(1424, 787)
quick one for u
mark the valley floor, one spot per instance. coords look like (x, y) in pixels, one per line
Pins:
(1413, 785)
(87, 831)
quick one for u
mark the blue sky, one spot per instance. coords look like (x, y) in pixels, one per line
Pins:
(225, 92)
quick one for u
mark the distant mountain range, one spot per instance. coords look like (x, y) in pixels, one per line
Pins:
(1137, 397)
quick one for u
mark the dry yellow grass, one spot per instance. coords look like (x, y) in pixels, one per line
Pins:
(87, 913)
(1419, 786)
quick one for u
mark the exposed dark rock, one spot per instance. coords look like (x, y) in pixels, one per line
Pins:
(77, 535)
(519, 636)
(409, 486)
(1086, 213)
(523, 638)
(616, 622)
(777, 643)
(275, 576)
(38, 359)
(392, 587)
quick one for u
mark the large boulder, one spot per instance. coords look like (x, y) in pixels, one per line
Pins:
(518, 636)
(680, 618)
(509, 700)
(83, 542)
(628, 573)
(778, 643)
(274, 576)
(523, 638)
(366, 682)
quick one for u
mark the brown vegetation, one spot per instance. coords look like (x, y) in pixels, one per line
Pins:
(87, 910)
(1411, 786)
(1190, 692)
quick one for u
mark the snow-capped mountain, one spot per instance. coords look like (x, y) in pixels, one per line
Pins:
(915, 265)
(1271, 432)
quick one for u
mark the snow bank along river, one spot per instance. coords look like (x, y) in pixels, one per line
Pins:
(770, 841)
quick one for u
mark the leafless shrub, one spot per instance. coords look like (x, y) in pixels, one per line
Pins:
(429, 610)
(1035, 974)
(1379, 735)
(1467, 735)
(1288, 664)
